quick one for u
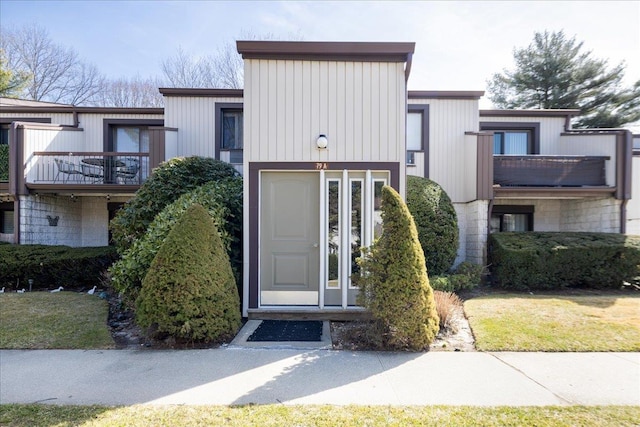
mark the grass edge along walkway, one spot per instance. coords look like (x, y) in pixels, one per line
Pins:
(15, 415)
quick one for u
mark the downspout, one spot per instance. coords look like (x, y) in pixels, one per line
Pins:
(623, 216)
(76, 120)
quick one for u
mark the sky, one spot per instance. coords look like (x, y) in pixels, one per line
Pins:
(459, 44)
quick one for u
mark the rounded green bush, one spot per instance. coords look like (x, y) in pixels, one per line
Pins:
(168, 182)
(222, 200)
(393, 281)
(189, 292)
(436, 221)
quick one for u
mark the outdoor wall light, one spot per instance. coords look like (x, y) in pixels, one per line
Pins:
(322, 141)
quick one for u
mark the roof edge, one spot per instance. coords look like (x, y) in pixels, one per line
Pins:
(341, 51)
(445, 94)
(530, 113)
(204, 92)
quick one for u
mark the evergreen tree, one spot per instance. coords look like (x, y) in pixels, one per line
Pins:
(393, 281)
(555, 72)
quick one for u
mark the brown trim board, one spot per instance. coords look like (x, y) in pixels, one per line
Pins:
(328, 51)
(424, 109)
(202, 92)
(254, 200)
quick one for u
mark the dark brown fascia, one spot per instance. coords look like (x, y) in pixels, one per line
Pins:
(327, 51)
(529, 113)
(98, 110)
(445, 94)
(213, 93)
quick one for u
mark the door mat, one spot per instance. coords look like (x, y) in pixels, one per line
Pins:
(288, 330)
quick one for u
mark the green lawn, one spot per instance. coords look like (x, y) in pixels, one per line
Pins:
(42, 320)
(555, 322)
(329, 416)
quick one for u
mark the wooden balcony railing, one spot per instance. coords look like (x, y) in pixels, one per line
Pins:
(95, 168)
(549, 171)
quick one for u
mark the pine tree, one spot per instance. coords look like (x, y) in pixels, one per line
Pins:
(555, 72)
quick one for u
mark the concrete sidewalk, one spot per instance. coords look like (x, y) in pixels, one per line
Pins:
(240, 375)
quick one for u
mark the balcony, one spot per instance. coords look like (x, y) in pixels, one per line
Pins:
(549, 171)
(85, 172)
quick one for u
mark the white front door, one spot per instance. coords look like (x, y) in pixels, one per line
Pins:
(289, 232)
(312, 228)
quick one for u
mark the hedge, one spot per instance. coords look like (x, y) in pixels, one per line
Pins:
(539, 260)
(436, 222)
(53, 266)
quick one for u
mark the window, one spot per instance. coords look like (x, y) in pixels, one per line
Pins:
(6, 218)
(418, 135)
(131, 139)
(511, 218)
(4, 153)
(512, 142)
(414, 135)
(514, 138)
(232, 135)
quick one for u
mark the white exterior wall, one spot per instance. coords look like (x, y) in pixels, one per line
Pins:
(83, 221)
(472, 222)
(359, 106)
(591, 145)
(56, 118)
(195, 119)
(633, 205)
(596, 215)
(452, 154)
(48, 139)
(34, 225)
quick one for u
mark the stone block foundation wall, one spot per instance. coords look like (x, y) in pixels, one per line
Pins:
(472, 225)
(82, 221)
(599, 215)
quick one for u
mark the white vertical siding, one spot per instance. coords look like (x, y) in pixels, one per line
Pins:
(591, 145)
(633, 206)
(452, 154)
(56, 118)
(360, 106)
(45, 139)
(195, 118)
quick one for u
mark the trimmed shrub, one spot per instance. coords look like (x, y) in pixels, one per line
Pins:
(393, 281)
(189, 292)
(168, 182)
(466, 277)
(53, 266)
(536, 260)
(222, 200)
(436, 221)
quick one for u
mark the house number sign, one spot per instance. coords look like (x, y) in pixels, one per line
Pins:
(322, 166)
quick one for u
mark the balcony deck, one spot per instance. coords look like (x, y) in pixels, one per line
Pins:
(86, 172)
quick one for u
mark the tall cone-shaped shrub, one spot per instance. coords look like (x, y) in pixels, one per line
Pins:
(189, 292)
(393, 281)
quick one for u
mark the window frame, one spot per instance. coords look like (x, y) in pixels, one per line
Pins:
(424, 110)
(109, 125)
(7, 207)
(501, 210)
(505, 127)
(221, 108)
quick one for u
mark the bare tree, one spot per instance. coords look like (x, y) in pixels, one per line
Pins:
(129, 93)
(224, 69)
(57, 74)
